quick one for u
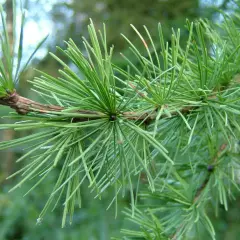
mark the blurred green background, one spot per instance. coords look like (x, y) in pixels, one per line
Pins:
(64, 19)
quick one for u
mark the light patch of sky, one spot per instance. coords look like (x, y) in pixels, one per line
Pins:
(34, 32)
(211, 2)
(38, 24)
(36, 29)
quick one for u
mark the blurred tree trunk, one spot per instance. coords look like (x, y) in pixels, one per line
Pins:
(9, 11)
(8, 163)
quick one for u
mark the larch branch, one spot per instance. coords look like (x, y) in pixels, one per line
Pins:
(24, 106)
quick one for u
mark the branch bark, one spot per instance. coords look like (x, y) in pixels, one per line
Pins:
(24, 106)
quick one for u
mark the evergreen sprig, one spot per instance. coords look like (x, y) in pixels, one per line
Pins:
(169, 123)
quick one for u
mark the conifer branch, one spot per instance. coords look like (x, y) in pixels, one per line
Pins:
(24, 106)
(175, 83)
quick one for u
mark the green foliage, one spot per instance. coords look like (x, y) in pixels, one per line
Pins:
(172, 118)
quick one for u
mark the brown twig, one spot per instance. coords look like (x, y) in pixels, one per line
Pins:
(24, 106)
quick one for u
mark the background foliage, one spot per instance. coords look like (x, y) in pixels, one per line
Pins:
(69, 19)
